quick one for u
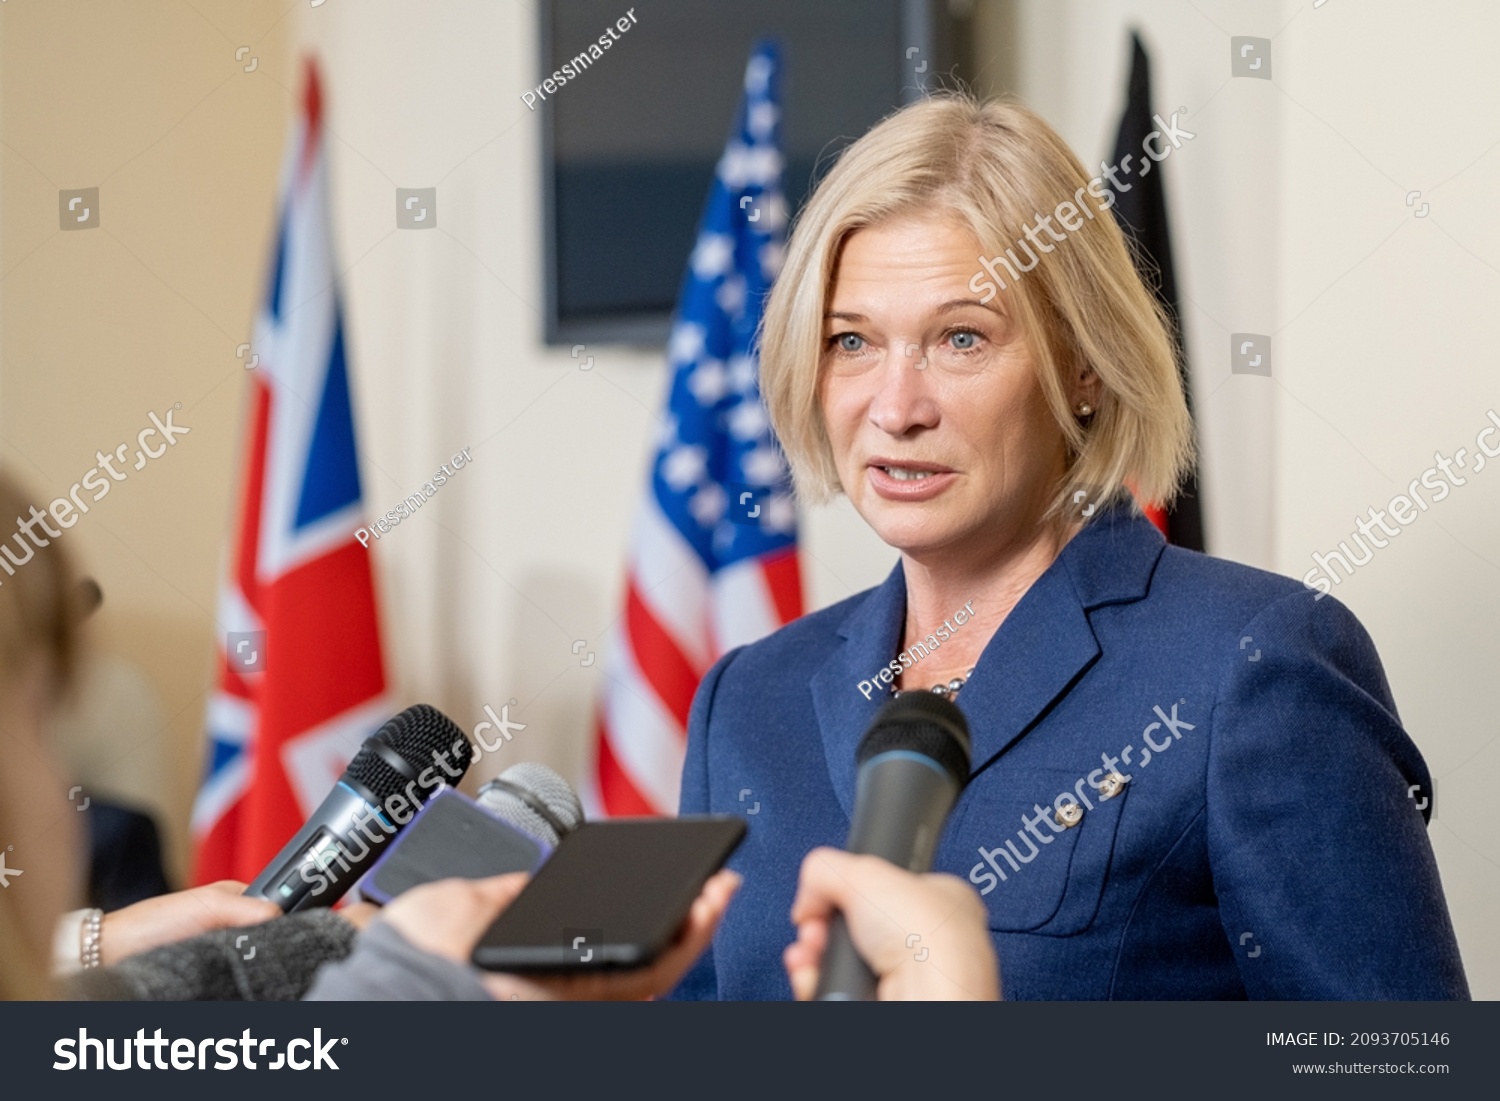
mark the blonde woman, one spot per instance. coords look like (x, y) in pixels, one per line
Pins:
(1189, 778)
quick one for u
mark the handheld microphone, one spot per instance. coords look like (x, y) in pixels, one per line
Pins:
(394, 773)
(533, 798)
(514, 825)
(913, 762)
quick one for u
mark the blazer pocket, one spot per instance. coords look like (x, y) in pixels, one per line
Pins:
(1034, 873)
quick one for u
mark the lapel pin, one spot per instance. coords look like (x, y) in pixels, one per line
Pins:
(1111, 786)
(1068, 815)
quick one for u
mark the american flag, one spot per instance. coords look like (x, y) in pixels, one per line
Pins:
(300, 680)
(713, 557)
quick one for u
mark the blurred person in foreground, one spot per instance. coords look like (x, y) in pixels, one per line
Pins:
(41, 604)
(959, 342)
(182, 945)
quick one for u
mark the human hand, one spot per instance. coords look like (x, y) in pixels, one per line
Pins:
(926, 937)
(358, 914)
(449, 917)
(637, 984)
(167, 919)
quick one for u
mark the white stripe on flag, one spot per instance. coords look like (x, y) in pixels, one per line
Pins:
(230, 718)
(744, 611)
(643, 735)
(218, 793)
(315, 759)
(672, 581)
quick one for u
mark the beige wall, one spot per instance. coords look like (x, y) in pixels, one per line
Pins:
(1290, 219)
(98, 327)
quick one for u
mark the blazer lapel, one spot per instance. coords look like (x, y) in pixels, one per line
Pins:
(1047, 642)
(1044, 645)
(872, 635)
(1041, 648)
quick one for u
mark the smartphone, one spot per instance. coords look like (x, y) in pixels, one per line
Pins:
(612, 895)
(452, 837)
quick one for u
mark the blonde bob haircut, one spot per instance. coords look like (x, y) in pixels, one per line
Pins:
(995, 167)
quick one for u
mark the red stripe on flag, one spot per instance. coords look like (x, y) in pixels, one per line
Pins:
(312, 112)
(323, 636)
(617, 791)
(1152, 510)
(247, 553)
(1157, 515)
(322, 659)
(661, 661)
(784, 579)
(216, 856)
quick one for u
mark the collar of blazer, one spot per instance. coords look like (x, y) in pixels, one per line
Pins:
(1038, 652)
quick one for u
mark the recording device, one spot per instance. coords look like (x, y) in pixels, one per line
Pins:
(613, 895)
(913, 762)
(513, 827)
(393, 775)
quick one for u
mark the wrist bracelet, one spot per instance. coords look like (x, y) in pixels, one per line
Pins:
(93, 922)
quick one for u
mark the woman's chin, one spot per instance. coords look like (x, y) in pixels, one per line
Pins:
(915, 531)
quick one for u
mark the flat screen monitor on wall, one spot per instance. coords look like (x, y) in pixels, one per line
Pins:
(630, 144)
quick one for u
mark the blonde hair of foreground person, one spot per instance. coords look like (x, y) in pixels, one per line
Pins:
(39, 612)
(995, 167)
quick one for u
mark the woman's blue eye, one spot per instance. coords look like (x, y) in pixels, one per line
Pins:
(964, 341)
(850, 342)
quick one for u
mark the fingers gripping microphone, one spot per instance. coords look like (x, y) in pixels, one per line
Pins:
(913, 762)
(394, 773)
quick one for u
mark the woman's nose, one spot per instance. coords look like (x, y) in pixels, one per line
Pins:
(904, 397)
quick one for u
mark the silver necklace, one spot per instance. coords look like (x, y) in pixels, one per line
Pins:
(947, 691)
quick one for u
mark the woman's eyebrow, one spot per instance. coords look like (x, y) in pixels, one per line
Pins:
(946, 307)
(960, 303)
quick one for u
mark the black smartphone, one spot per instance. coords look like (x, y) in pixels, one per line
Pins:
(452, 837)
(612, 895)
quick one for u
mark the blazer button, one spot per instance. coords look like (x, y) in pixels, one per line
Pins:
(1068, 815)
(1112, 785)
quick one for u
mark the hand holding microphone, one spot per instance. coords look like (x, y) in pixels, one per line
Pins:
(913, 762)
(926, 937)
(169, 918)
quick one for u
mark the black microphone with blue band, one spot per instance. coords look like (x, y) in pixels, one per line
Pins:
(392, 776)
(913, 762)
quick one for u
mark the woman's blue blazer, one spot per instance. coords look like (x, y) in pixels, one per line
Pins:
(1270, 840)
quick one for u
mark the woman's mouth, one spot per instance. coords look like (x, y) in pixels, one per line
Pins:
(908, 480)
(902, 474)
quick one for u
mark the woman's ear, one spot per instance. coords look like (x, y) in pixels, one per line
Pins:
(1085, 390)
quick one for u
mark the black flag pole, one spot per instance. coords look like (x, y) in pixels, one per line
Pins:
(1142, 214)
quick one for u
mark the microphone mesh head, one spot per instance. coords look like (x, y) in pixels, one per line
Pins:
(506, 798)
(416, 736)
(925, 723)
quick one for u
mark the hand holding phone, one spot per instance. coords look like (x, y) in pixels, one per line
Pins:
(613, 895)
(447, 919)
(631, 984)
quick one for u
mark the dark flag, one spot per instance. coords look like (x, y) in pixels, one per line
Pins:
(1142, 214)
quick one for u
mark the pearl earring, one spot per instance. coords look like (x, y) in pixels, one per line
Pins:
(1084, 408)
